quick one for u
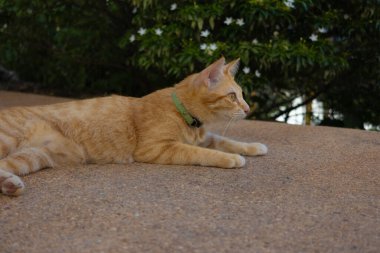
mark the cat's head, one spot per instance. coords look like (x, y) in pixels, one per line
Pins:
(215, 94)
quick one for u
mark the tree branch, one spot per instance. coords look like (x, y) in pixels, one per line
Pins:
(273, 107)
(306, 101)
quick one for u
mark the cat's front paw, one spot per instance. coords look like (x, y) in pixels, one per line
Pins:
(256, 149)
(233, 161)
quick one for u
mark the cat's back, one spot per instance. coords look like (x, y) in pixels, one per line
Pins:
(90, 111)
(86, 109)
(97, 124)
(96, 116)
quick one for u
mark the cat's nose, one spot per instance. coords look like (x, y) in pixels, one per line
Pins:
(245, 107)
(246, 110)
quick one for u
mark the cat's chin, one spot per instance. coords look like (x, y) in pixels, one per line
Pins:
(227, 118)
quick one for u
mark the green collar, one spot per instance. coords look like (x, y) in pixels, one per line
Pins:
(190, 120)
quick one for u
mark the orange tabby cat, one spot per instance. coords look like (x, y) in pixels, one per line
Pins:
(166, 127)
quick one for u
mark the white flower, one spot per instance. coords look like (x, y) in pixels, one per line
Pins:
(240, 22)
(58, 29)
(205, 33)
(313, 37)
(208, 48)
(213, 46)
(246, 70)
(29, 11)
(5, 26)
(276, 33)
(255, 41)
(141, 31)
(134, 10)
(132, 38)
(322, 30)
(289, 3)
(203, 46)
(158, 31)
(346, 16)
(173, 7)
(228, 21)
(257, 73)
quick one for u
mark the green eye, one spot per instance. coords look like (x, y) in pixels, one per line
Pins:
(232, 96)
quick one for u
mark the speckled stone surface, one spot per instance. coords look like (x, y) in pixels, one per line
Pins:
(318, 190)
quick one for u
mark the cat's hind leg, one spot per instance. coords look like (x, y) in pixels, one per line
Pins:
(44, 147)
(21, 162)
(32, 159)
(8, 142)
(9, 183)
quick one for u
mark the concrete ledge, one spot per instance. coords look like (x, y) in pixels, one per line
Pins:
(10, 98)
(318, 190)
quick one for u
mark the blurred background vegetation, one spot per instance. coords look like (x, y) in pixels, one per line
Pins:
(292, 52)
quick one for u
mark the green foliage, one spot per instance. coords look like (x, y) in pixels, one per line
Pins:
(314, 49)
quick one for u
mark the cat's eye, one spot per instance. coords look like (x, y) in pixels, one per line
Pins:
(232, 96)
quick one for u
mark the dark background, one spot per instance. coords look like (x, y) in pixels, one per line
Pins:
(84, 48)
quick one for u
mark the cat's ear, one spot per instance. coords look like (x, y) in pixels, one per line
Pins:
(211, 75)
(233, 67)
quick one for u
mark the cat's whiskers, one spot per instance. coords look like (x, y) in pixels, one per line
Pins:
(227, 126)
(233, 117)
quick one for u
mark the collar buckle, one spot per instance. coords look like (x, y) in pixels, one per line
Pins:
(196, 123)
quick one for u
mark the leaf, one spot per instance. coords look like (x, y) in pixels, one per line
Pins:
(200, 23)
(298, 64)
(212, 22)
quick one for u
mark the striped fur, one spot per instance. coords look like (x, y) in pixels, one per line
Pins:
(120, 129)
